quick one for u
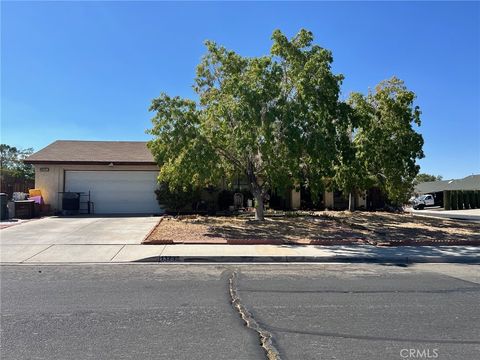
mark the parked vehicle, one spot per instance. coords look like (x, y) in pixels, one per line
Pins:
(423, 201)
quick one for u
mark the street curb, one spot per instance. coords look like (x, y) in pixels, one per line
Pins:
(268, 259)
(152, 230)
(320, 259)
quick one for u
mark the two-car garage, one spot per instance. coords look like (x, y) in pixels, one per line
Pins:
(116, 192)
(117, 177)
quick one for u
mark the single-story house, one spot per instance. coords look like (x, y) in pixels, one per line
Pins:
(119, 177)
(471, 182)
(436, 188)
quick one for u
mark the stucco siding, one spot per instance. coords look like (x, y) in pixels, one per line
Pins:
(362, 199)
(295, 199)
(329, 200)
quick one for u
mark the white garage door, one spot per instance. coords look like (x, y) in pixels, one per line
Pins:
(116, 192)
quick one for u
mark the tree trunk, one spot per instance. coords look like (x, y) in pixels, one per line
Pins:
(351, 201)
(259, 211)
(256, 190)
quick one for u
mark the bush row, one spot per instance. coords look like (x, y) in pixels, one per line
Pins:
(461, 199)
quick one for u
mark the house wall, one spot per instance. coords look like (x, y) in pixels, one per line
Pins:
(361, 200)
(51, 182)
(295, 199)
(329, 200)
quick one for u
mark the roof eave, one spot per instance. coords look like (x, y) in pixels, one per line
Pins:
(57, 162)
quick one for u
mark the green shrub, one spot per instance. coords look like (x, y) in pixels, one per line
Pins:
(175, 200)
(471, 199)
(454, 199)
(477, 199)
(466, 203)
(466, 199)
(447, 200)
(225, 199)
(459, 200)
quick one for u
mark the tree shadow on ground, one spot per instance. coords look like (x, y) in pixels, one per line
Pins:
(370, 228)
(328, 228)
(409, 230)
(288, 231)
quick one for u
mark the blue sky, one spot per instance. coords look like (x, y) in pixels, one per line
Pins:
(88, 70)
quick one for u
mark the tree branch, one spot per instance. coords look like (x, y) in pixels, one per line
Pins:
(230, 157)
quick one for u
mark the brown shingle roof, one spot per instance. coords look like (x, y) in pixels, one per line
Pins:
(93, 152)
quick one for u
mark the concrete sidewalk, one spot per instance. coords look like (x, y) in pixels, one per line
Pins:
(86, 253)
(470, 215)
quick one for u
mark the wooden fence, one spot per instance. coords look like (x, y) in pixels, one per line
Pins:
(10, 184)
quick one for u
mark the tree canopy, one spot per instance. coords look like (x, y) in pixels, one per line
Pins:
(278, 121)
(384, 145)
(11, 162)
(423, 177)
(271, 119)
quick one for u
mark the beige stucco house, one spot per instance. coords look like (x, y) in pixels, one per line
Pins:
(114, 176)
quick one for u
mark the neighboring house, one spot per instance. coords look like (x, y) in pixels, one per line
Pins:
(436, 188)
(121, 177)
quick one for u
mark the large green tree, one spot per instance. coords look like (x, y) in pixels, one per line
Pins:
(273, 119)
(384, 142)
(350, 173)
(11, 162)
(423, 177)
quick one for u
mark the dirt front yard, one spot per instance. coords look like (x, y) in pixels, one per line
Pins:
(319, 228)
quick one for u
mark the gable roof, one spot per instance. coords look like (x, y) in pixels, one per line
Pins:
(471, 182)
(93, 152)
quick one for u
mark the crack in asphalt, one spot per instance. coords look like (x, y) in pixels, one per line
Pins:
(373, 338)
(266, 330)
(440, 291)
(266, 338)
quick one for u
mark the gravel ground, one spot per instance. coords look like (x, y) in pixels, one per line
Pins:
(316, 228)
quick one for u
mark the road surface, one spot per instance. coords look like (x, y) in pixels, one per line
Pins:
(311, 311)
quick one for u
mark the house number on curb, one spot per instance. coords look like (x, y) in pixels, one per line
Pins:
(169, 258)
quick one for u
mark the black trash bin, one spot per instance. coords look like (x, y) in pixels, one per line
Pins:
(71, 201)
(3, 206)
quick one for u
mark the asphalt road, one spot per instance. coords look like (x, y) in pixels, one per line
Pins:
(333, 311)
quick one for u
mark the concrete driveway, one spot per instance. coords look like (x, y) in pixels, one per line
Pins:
(79, 231)
(77, 239)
